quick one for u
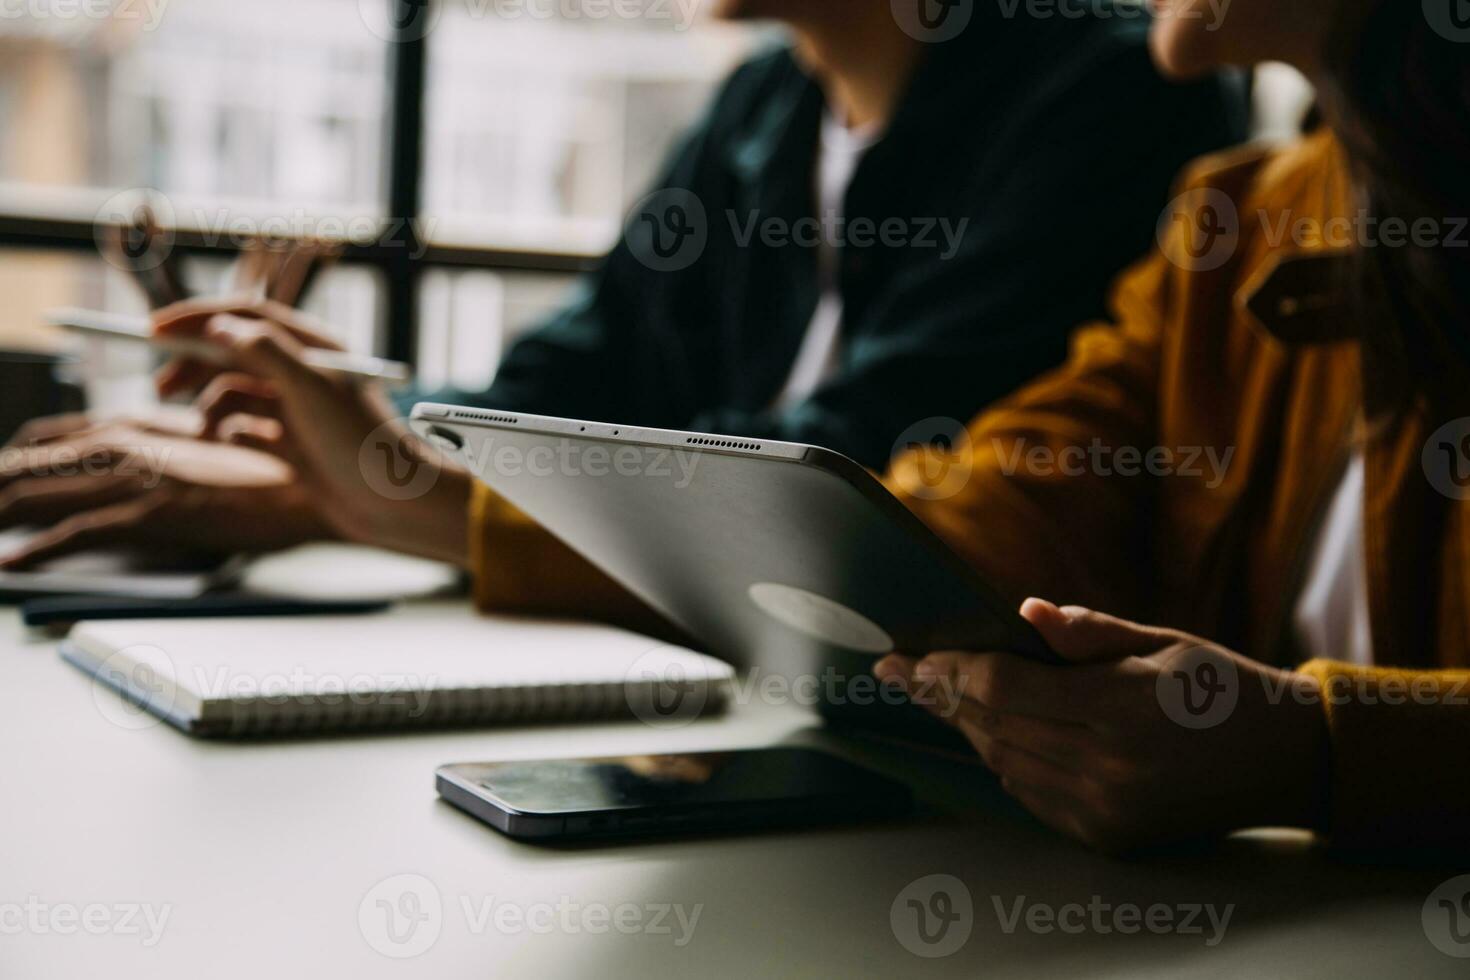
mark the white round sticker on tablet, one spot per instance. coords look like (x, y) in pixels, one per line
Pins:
(818, 616)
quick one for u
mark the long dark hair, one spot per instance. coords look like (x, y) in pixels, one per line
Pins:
(1399, 95)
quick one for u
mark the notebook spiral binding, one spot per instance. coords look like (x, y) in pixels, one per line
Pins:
(287, 715)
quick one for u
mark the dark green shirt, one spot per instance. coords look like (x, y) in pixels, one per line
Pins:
(1027, 164)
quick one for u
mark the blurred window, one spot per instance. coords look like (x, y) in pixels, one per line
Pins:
(261, 107)
(548, 118)
(540, 122)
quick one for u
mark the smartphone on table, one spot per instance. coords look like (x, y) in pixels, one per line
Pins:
(667, 795)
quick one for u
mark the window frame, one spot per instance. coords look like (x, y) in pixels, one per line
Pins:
(397, 254)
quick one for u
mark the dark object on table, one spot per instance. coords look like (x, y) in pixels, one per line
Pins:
(65, 610)
(35, 384)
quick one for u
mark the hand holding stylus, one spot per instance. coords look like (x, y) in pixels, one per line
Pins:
(376, 482)
(198, 355)
(184, 329)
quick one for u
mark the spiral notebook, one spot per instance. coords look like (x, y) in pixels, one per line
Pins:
(418, 667)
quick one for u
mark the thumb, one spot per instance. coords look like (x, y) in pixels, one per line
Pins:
(1081, 635)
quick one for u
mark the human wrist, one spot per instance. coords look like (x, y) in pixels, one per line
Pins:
(432, 525)
(307, 522)
(1297, 744)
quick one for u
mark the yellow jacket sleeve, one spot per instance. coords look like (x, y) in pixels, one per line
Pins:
(1018, 499)
(520, 567)
(1396, 738)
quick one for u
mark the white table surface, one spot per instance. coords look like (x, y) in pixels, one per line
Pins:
(269, 861)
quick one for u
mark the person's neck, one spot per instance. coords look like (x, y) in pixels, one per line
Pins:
(863, 65)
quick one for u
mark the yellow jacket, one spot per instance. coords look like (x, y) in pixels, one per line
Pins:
(1175, 471)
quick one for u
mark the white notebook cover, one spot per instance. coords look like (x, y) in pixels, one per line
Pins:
(414, 667)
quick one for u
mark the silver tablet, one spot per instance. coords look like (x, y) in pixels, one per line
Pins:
(789, 560)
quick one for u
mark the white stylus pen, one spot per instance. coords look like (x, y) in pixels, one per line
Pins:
(137, 329)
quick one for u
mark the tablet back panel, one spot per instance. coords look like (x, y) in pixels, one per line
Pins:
(786, 559)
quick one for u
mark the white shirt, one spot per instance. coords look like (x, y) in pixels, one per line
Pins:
(1331, 616)
(839, 151)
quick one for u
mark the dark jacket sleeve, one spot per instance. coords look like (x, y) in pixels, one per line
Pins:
(575, 364)
(1088, 165)
(1069, 194)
